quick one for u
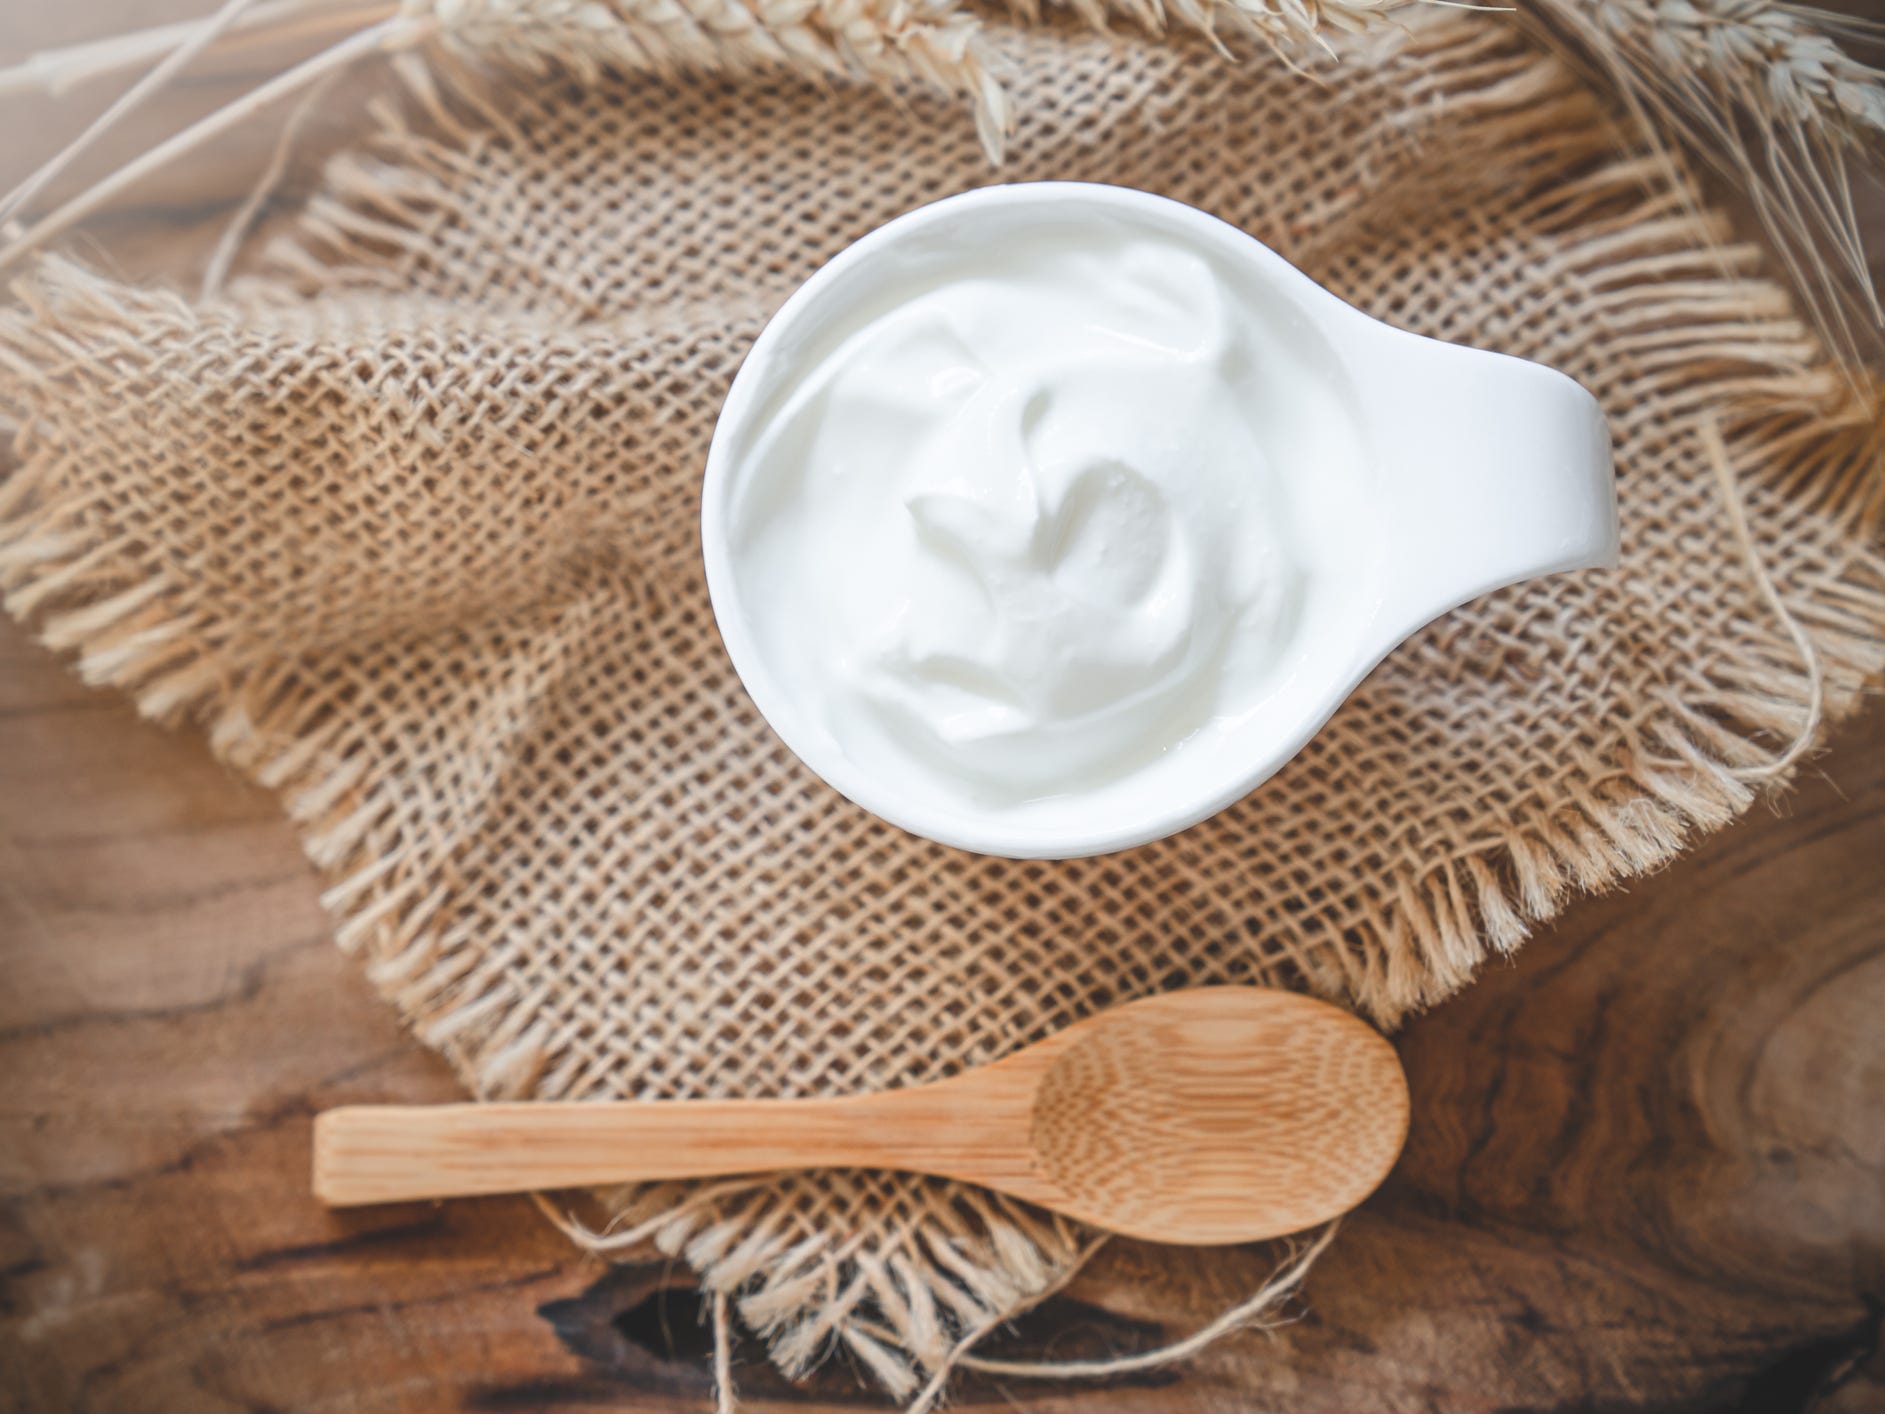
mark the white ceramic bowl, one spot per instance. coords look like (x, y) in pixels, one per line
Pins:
(1485, 470)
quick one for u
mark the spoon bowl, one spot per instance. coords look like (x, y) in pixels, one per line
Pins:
(1221, 1114)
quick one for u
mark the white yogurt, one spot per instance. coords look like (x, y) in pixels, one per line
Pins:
(1056, 512)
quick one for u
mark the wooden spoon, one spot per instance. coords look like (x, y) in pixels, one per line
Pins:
(1224, 1114)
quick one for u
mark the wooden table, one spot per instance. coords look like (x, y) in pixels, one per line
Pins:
(1647, 1169)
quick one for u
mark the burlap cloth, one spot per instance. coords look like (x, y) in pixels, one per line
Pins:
(406, 522)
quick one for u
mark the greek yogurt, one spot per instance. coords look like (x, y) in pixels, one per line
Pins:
(1045, 515)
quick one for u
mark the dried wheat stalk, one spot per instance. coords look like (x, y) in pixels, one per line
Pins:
(1762, 91)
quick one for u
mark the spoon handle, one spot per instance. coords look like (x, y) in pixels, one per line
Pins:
(386, 1153)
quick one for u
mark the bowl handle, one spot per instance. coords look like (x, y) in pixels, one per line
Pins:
(1493, 470)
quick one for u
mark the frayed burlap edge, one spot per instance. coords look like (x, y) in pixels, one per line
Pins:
(1783, 430)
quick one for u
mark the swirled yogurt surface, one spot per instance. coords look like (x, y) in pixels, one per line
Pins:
(1043, 516)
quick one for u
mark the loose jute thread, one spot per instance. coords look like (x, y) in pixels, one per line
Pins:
(1807, 736)
(1244, 1315)
(725, 1400)
(229, 247)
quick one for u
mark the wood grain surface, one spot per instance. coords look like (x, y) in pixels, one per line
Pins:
(1646, 1170)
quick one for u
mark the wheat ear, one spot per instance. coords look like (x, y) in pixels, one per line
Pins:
(1282, 25)
(1762, 92)
(930, 42)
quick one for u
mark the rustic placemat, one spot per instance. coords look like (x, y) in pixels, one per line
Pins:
(405, 521)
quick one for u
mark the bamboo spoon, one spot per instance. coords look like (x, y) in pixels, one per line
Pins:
(1223, 1114)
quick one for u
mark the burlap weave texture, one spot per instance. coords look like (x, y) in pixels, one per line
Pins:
(407, 523)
